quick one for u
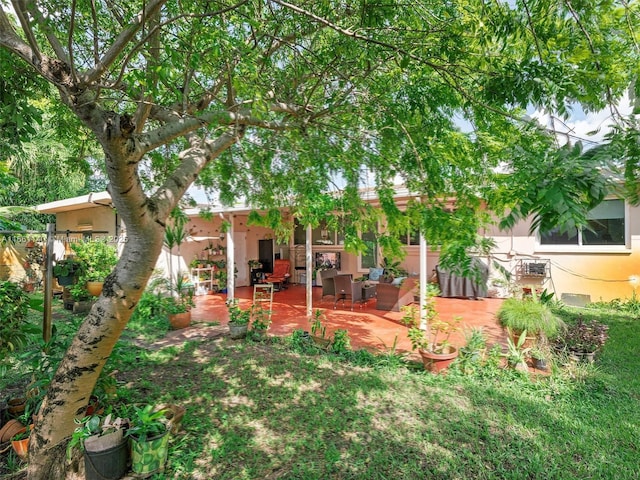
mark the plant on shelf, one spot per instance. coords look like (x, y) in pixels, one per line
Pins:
(254, 264)
(531, 315)
(66, 271)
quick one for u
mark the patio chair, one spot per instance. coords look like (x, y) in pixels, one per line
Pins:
(280, 274)
(347, 289)
(328, 285)
(392, 297)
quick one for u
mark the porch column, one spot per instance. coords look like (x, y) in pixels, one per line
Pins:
(231, 264)
(423, 282)
(309, 265)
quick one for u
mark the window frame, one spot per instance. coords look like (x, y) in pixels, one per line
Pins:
(580, 247)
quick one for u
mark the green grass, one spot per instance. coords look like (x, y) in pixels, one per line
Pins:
(266, 410)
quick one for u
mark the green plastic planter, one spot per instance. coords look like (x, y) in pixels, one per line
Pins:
(150, 456)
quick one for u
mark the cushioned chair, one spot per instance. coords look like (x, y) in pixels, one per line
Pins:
(280, 274)
(328, 285)
(394, 296)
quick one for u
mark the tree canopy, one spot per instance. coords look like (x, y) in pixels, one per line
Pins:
(280, 101)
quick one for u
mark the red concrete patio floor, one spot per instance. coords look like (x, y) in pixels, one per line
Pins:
(367, 327)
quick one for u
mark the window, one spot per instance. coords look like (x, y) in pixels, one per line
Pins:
(411, 238)
(322, 235)
(606, 226)
(369, 259)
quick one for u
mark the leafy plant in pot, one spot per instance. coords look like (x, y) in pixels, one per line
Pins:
(178, 305)
(516, 354)
(436, 352)
(238, 320)
(66, 271)
(319, 330)
(583, 339)
(149, 433)
(103, 441)
(98, 258)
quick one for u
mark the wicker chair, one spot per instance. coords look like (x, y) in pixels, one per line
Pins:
(328, 286)
(347, 289)
(391, 297)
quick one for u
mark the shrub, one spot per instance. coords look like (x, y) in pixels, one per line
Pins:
(14, 306)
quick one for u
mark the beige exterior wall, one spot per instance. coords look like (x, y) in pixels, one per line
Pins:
(601, 272)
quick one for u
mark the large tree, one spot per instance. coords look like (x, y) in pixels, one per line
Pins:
(275, 100)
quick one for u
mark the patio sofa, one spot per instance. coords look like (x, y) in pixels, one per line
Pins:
(393, 296)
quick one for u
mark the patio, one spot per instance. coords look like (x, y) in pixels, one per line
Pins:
(368, 327)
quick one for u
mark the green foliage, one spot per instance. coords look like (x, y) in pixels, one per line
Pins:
(341, 342)
(97, 259)
(517, 355)
(526, 314)
(14, 305)
(237, 315)
(146, 422)
(317, 326)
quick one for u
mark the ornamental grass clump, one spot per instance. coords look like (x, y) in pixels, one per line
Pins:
(530, 315)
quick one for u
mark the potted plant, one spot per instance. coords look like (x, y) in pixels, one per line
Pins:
(66, 271)
(539, 358)
(178, 305)
(238, 321)
(436, 352)
(518, 315)
(319, 330)
(583, 339)
(103, 441)
(221, 277)
(516, 352)
(149, 433)
(20, 441)
(98, 258)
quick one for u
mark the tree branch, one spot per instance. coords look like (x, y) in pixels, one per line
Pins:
(20, 7)
(192, 161)
(121, 41)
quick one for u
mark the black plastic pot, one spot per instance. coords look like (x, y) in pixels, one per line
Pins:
(109, 464)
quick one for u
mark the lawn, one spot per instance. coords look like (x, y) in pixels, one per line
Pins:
(281, 409)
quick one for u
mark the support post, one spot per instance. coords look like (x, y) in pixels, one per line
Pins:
(231, 263)
(423, 282)
(48, 283)
(309, 265)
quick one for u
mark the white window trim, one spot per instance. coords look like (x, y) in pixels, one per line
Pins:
(621, 249)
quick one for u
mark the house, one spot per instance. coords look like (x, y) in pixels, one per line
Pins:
(600, 263)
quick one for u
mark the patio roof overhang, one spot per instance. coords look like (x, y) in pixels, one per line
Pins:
(94, 199)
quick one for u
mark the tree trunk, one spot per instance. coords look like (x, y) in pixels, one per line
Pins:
(78, 372)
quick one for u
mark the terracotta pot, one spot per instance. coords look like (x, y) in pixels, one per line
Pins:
(10, 430)
(437, 362)
(180, 320)
(21, 447)
(95, 288)
(16, 406)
